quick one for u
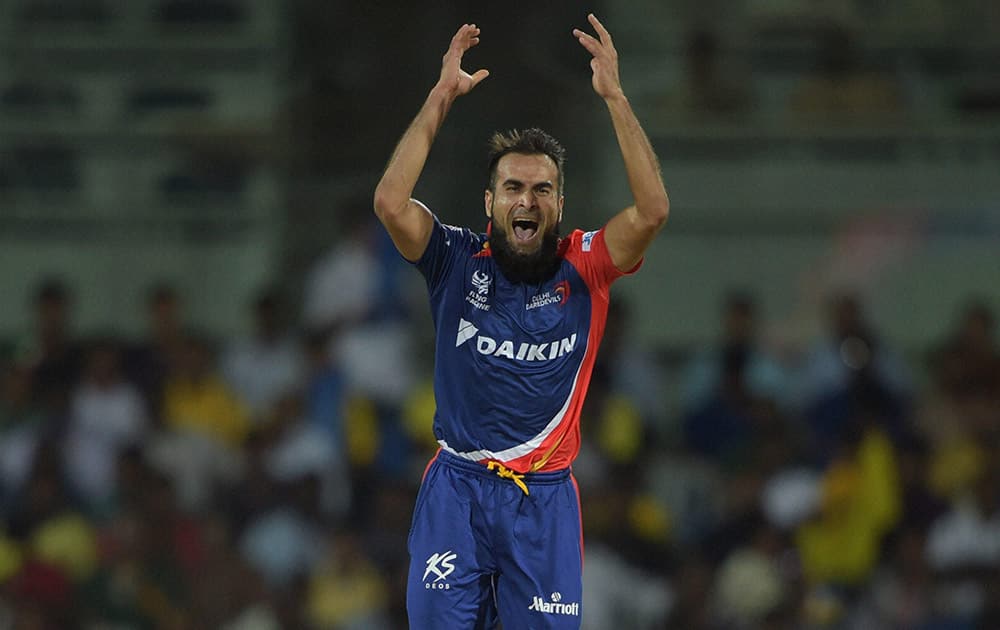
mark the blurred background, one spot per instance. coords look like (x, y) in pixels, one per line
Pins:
(215, 396)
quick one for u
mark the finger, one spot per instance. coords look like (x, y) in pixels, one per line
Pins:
(479, 75)
(471, 38)
(455, 45)
(457, 37)
(601, 31)
(587, 41)
(464, 34)
(584, 36)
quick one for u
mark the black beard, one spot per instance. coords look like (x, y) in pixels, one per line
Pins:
(533, 268)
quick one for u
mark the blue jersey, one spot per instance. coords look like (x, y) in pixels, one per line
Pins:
(513, 360)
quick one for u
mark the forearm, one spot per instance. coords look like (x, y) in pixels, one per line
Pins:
(641, 165)
(407, 162)
(409, 222)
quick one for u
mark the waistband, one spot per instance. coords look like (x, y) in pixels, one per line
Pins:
(479, 468)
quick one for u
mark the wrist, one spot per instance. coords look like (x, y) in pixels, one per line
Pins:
(443, 94)
(616, 98)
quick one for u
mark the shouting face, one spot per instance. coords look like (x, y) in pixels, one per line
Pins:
(525, 207)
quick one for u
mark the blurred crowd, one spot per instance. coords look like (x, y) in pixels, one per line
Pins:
(839, 75)
(176, 481)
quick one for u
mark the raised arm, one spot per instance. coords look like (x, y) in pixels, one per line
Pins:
(630, 232)
(408, 221)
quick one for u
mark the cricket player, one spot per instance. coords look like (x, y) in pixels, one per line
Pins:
(519, 312)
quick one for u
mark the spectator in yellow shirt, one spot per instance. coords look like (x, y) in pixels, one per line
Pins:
(196, 398)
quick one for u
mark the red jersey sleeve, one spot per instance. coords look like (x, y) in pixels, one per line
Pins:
(589, 254)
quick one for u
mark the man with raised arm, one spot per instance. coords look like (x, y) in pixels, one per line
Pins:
(519, 313)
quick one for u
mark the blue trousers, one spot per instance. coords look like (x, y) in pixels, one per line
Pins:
(485, 546)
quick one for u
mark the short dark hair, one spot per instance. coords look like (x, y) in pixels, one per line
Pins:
(532, 141)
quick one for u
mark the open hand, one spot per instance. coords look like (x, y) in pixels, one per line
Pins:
(605, 62)
(454, 80)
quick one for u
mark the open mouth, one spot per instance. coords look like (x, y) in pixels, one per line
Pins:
(525, 229)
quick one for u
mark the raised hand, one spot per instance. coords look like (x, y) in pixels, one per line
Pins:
(455, 81)
(605, 80)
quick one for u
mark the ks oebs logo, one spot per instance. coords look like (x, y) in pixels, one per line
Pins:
(440, 564)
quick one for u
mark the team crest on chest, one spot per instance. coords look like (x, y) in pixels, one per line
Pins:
(558, 295)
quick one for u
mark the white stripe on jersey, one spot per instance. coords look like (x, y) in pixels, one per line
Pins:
(521, 450)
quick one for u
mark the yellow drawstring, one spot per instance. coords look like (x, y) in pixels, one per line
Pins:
(507, 473)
